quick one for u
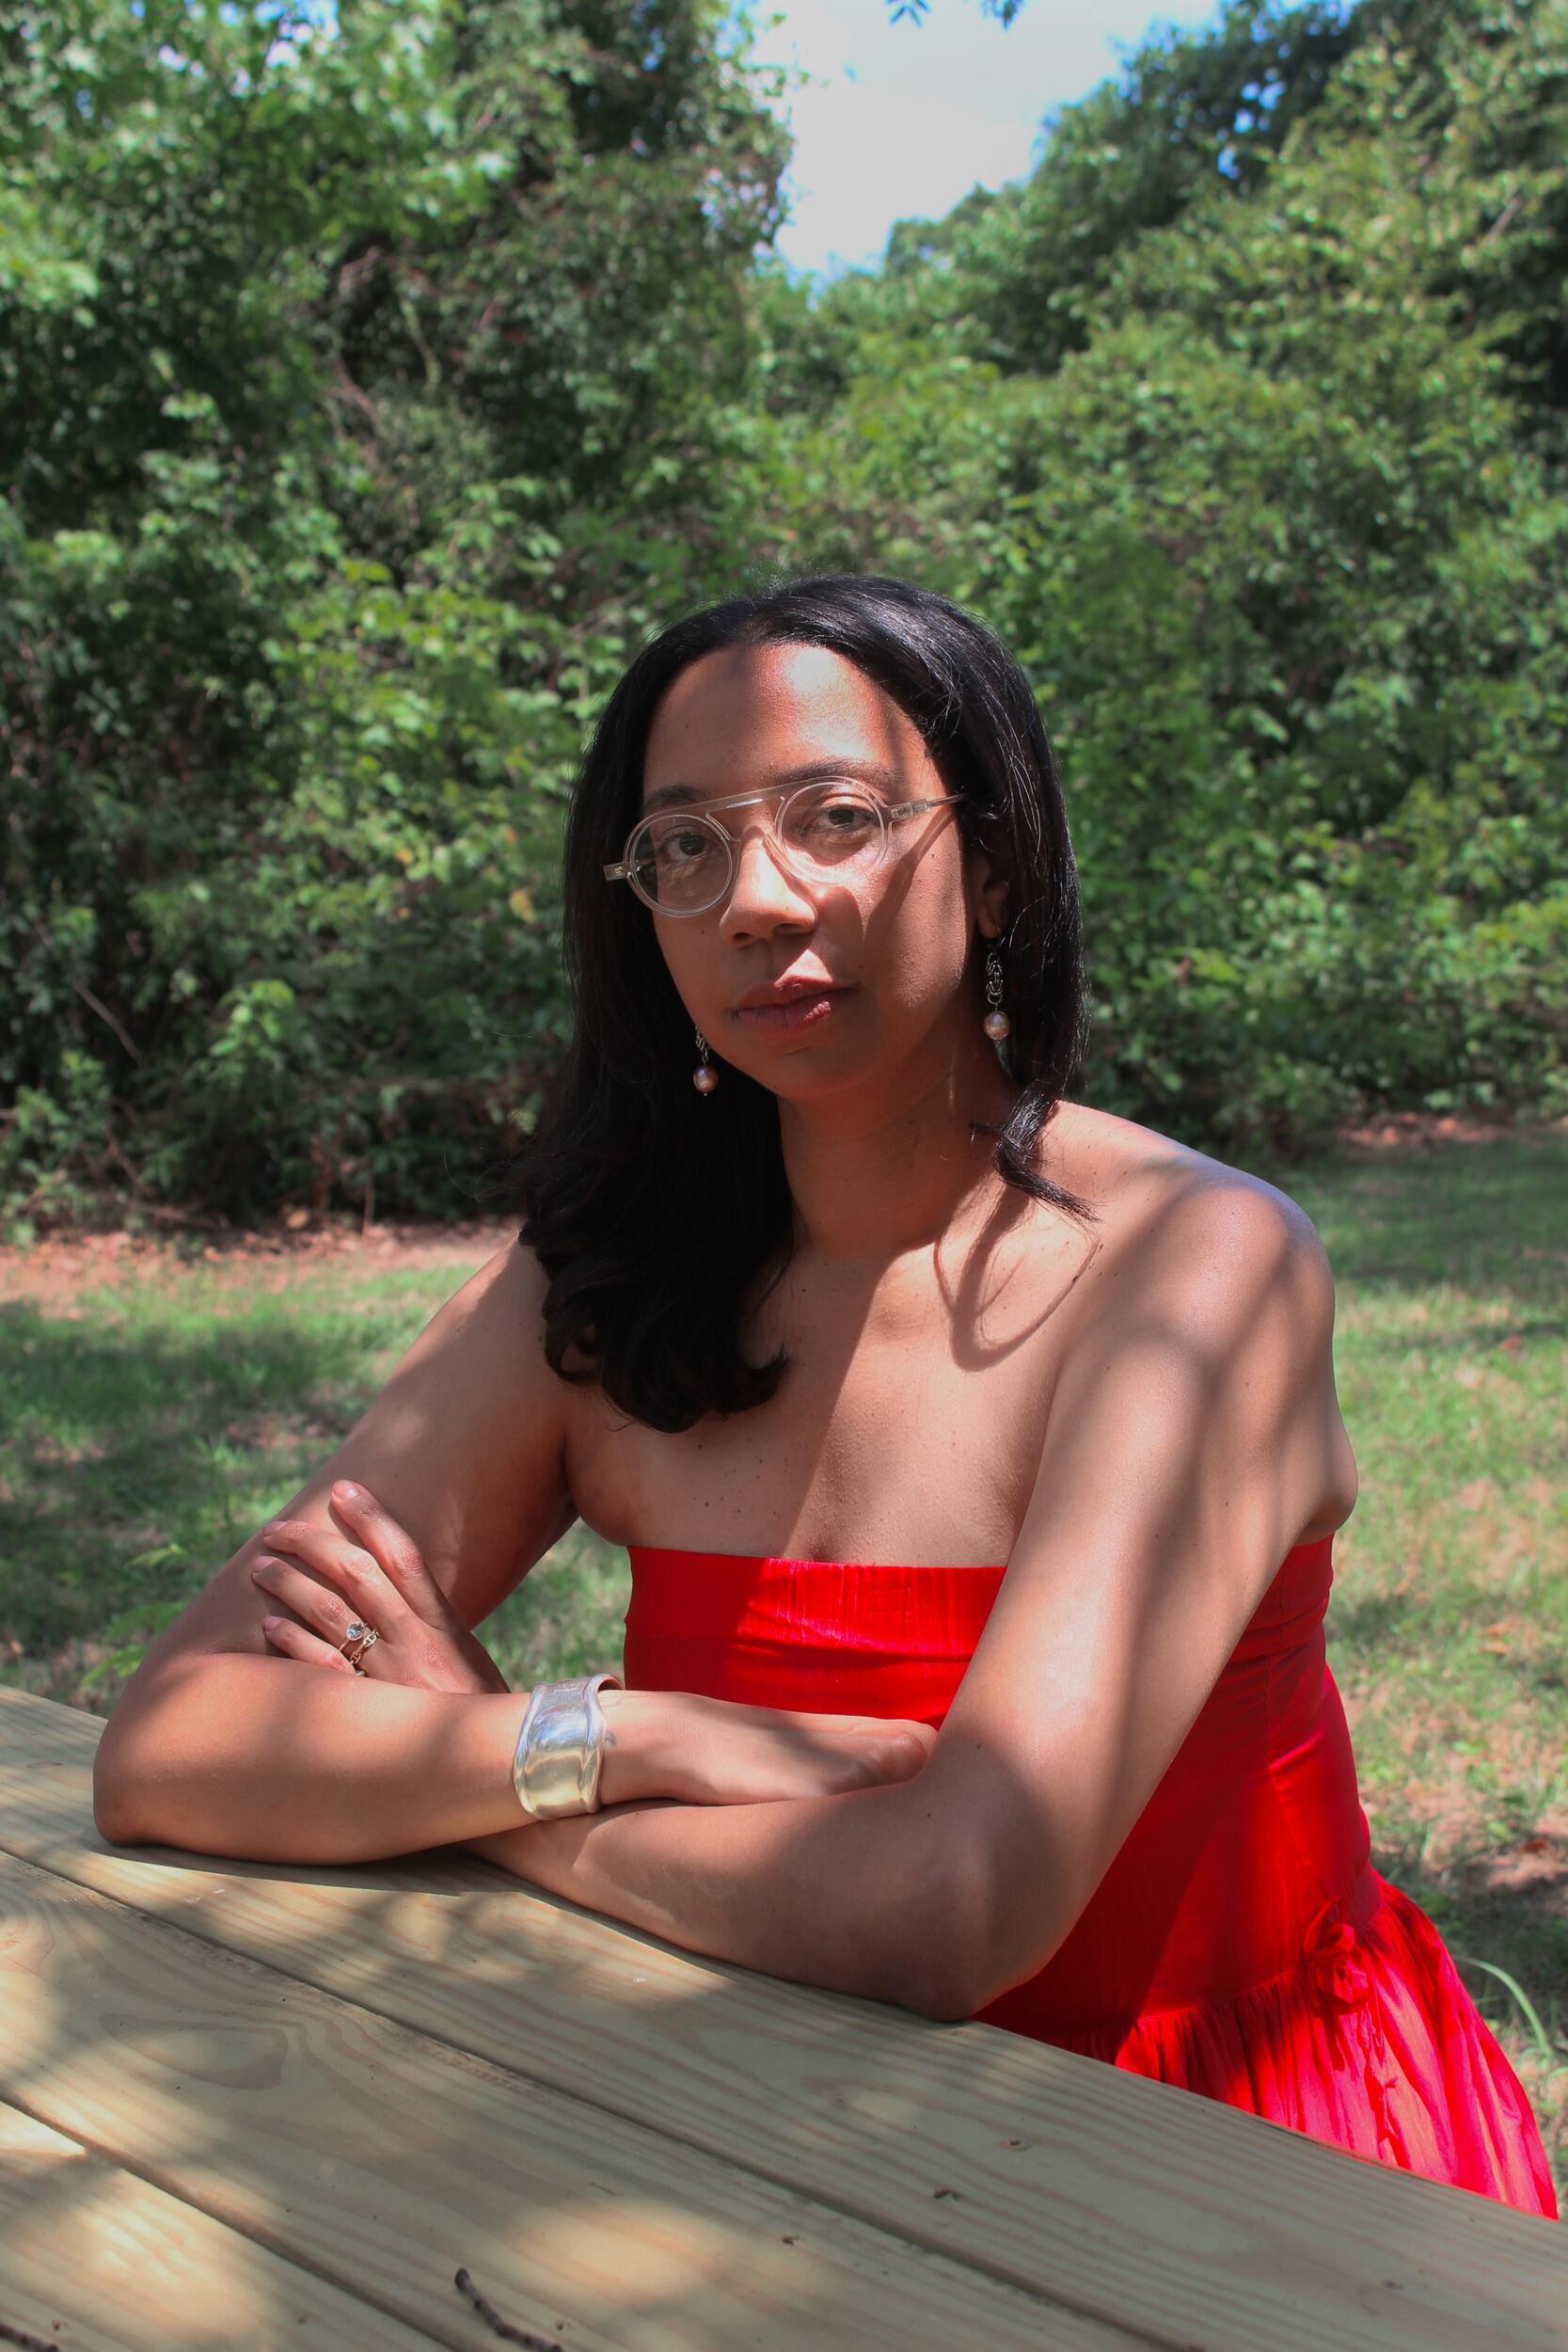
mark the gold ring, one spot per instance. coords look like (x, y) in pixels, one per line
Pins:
(357, 1639)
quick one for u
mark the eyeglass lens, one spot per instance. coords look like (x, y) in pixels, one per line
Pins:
(832, 831)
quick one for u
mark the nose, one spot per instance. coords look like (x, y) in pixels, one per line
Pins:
(764, 896)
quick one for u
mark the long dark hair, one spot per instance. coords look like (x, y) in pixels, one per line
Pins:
(656, 1219)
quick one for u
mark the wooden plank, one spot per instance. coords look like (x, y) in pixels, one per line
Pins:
(1159, 2212)
(383, 2160)
(45, 1726)
(96, 2259)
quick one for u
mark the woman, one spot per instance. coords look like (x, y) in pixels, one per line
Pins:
(828, 1304)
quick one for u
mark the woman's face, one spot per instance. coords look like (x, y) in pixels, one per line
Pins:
(884, 955)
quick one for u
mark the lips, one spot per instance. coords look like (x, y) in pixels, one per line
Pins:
(789, 1005)
(784, 993)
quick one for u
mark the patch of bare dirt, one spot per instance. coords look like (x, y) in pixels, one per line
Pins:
(1407, 1131)
(55, 1271)
(58, 1268)
(1539, 1863)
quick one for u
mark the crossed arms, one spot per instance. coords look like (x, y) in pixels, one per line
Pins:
(1192, 1436)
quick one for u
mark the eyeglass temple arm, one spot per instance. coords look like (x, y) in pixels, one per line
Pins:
(918, 808)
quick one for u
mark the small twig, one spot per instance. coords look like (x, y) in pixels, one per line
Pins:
(116, 1152)
(502, 2326)
(33, 2344)
(95, 1005)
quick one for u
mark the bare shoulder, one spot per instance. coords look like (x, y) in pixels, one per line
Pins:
(1227, 1259)
(1158, 1200)
(505, 1297)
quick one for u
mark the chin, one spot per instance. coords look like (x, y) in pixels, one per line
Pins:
(800, 1074)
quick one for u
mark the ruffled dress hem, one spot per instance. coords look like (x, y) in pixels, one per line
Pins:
(1370, 2042)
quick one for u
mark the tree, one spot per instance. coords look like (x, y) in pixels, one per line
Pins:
(1291, 578)
(356, 392)
(367, 397)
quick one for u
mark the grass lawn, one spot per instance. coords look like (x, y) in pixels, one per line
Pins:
(157, 1406)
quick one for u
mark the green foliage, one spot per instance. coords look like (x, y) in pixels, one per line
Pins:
(1015, 278)
(915, 10)
(356, 397)
(366, 398)
(1281, 540)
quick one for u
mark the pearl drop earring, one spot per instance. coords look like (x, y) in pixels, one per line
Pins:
(996, 1024)
(704, 1078)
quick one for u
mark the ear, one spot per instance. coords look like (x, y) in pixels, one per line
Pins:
(990, 893)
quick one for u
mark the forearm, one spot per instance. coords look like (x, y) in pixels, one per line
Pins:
(835, 1891)
(271, 1760)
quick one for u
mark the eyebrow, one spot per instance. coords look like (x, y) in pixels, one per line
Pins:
(814, 772)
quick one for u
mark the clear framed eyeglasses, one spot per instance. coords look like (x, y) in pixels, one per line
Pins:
(681, 861)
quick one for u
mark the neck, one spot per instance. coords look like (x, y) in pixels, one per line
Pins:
(884, 1168)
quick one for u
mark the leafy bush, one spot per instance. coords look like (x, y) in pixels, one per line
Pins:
(368, 396)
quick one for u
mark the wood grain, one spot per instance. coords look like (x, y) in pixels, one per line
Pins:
(383, 2160)
(97, 2261)
(1163, 2214)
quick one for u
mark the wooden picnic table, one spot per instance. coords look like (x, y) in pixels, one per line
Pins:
(253, 2104)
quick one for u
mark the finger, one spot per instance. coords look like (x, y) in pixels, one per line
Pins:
(350, 1571)
(908, 1755)
(324, 1609)
(391, 1547)
(293, 1641)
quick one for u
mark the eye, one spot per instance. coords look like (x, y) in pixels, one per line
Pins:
(844, 815)
(834, 816)
(677, 843)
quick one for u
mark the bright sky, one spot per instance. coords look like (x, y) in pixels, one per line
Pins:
(903, 119)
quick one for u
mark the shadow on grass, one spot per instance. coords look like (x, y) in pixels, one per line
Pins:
(1508, 1911)
(1482, 1217)
(567, 1615)
(1469, 1339)
(1367, 1626)
(138, 1457)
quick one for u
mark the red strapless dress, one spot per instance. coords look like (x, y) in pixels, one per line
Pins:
(1240, 1945)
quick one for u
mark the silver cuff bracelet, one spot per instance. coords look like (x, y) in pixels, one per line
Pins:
(561, 1748)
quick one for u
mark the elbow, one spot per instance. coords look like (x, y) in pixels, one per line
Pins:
(970, 1923)
(958, 1986)
(951, 1980)
(978, 1957)
(144, 1791)
(126, 1779)
(116, 1829)
(941, 1996)
(111, 1815)
(937, 1971)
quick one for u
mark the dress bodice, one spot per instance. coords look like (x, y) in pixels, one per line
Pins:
(1241, 1944)
(1255, 1825)
(845, 1634)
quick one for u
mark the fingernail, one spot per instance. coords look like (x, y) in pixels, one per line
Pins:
(263, 1568)
(346, 1491)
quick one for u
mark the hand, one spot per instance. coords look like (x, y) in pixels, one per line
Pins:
(373, 1573)
(722, 1753)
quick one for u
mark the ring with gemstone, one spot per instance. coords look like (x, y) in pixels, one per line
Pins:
(357, 1639)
